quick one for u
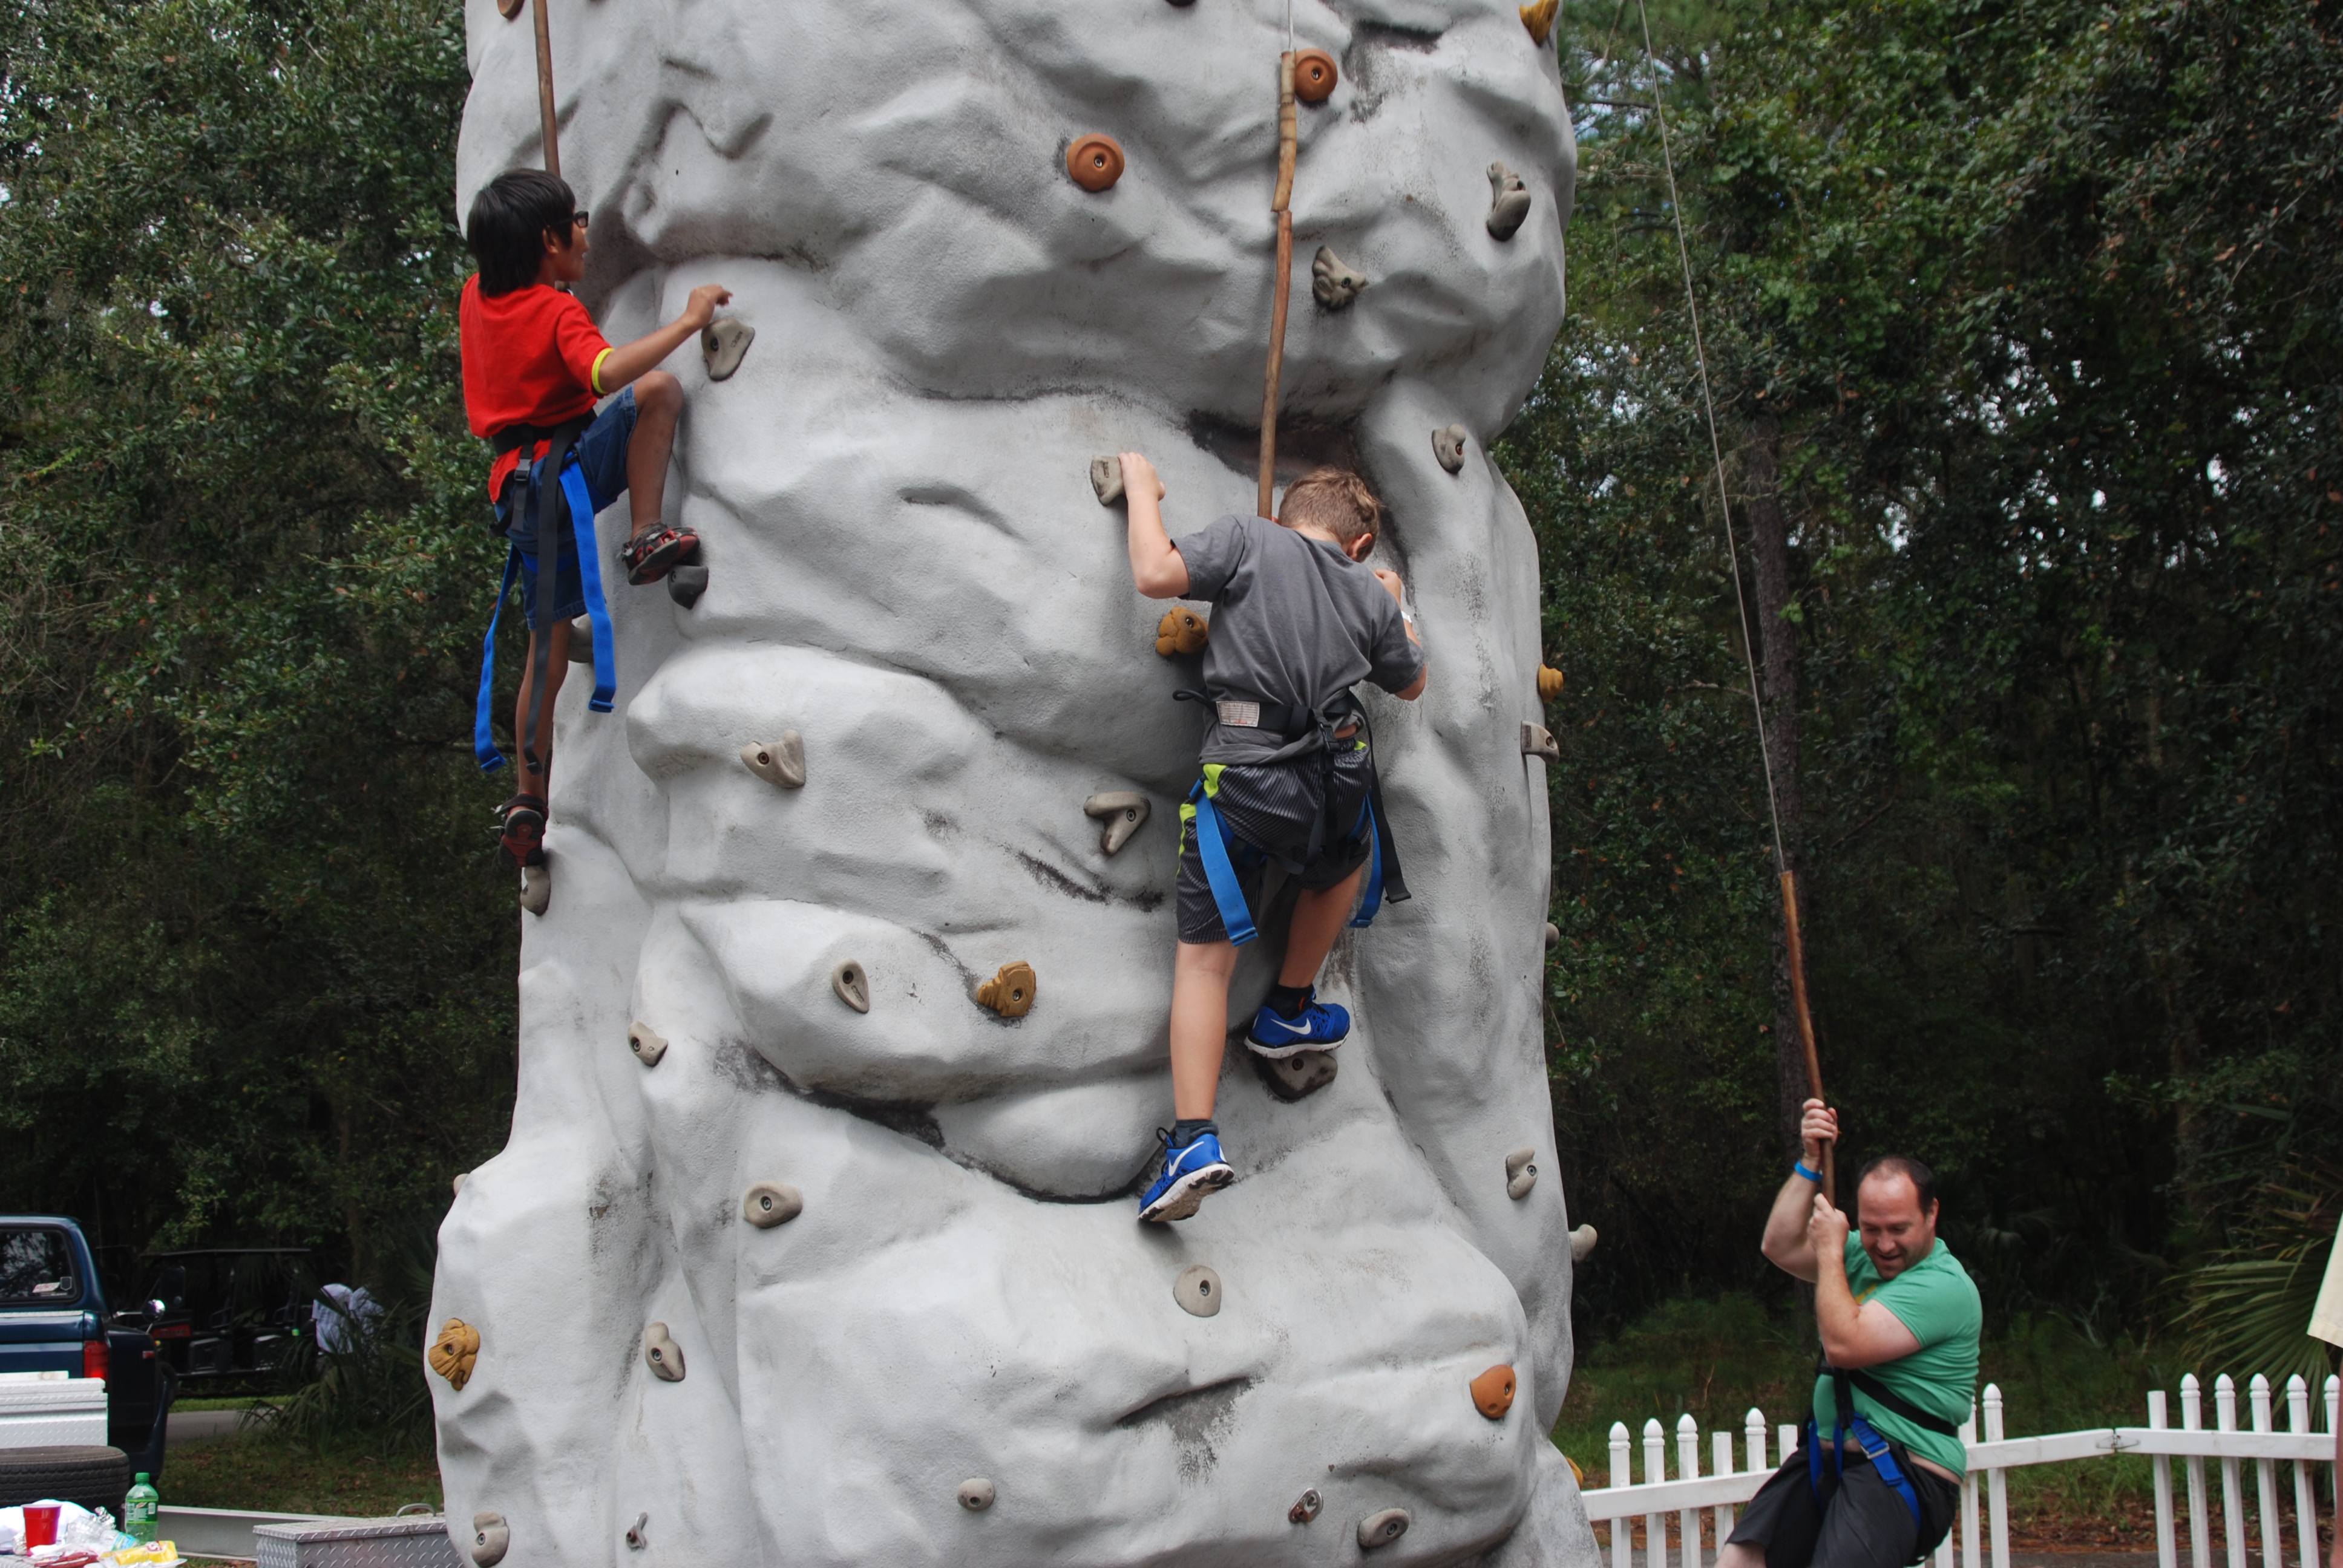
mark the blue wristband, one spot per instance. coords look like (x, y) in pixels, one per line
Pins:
(1798, 1167)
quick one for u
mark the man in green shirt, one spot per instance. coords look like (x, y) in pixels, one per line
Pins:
(1875, 1480)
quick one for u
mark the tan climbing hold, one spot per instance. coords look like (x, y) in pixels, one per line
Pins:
(1382, 1529)
(1198, 1292)
(1509, 202)
(851, 984)
(1299, 1075)
(1314, 75)
(1123, 811)
(1333, 282)
(770, 1203)
(1182, 630)
(976, 1494)
(663, 1354)
(1094, 162)
(647, 1046)
(492, 1538)
(779, 762)
(1106, 480)
(461, 1177)
(1521, 1172)
(1539, 19)
(1582, 1243)
(1306, 1507)
(1492, 1393)
(454, 1351)
(1552, 936)
(723, 344)
(1010, 992)
(511, 8)
(1538, 741)
(1549, 683)
(1448, 447)
(581, 641)
(535, 890)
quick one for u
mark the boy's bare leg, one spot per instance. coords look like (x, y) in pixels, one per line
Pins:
(658, 402)
(1199, 1025)
(1317, 920)
(533, 781)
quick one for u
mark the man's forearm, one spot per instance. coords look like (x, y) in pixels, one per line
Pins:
(1836, 1314)
(1785, 1228)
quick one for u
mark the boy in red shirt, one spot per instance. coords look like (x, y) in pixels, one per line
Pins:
(534, 367)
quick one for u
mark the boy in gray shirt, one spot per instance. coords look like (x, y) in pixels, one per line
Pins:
(1287, 775)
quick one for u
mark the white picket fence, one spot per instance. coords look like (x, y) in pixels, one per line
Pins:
(1726, 1486)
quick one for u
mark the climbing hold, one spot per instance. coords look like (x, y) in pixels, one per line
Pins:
(1299, 1075)
(1538, 741)
(1314, 75)
(1582, 1242)
(1448, 445)
(781, 762)
(511, 8)
(686, 584)
(1539, 19)
(648, 1047)
(581, 641)
(1010, 992)
(461, 1177)
(976, 1494)
(1122, 811)
(852, 985)
(492, 1538)
(1094, 162)
(454, 1351)
(1182, 630)
(1106, 480)
(665, 1356)
(1509, 202)
(1198, 1290)
(1549, 683)
(1382, 1529)
(1552, 936)
(770, 1203)
(1492, 1393)
(1333, 283)
(535, 890)
(638, 1536)
(1521, 1172)
(724, 343)
(1305, 1507)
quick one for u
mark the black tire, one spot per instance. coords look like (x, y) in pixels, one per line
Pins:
(93, 1477)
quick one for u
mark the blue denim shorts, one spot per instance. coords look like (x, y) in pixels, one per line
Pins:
(602, 461)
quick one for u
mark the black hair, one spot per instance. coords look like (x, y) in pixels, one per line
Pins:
(509, 222)
(1923, 1179)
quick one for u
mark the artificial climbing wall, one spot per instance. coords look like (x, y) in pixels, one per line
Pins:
(799, 1254)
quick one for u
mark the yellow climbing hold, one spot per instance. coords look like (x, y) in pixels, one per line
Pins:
(454, 1351)
(1182, 630)
(1539, 19)
(1010, 992)
(1549, 683)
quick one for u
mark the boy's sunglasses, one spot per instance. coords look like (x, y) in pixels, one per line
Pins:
(579, 217)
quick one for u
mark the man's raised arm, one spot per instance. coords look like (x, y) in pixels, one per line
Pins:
(1785, 1245)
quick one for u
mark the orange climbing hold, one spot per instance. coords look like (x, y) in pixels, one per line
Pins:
(1539, 19)
(1549, 683)
(1010, 992)
(1182, 630)
(454, 1351)
(1314, 75)
(1094, 162)
(1492, 1393)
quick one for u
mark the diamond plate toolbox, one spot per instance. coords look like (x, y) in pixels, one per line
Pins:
(418, 1540)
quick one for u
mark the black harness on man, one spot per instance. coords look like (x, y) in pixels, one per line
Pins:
(1866, 1437)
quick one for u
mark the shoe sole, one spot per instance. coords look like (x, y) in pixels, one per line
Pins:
(661, 562)
(1187, 1195)
(1280, 1052)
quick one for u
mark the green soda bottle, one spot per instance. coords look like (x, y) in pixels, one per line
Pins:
(140, 1509)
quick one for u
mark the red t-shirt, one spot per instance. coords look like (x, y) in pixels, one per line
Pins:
(530, 357)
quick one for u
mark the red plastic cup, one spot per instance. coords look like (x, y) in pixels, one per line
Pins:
(40, 1525)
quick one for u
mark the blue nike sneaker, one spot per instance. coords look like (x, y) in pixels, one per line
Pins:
(1191, 1173)
(1319, 1026)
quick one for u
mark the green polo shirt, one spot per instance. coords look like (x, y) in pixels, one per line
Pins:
(1935, 1298)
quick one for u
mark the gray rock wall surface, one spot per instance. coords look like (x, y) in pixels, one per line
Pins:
(908, 567)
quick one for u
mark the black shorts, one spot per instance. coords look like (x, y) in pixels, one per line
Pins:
(1270, 808)
(1862, 1522)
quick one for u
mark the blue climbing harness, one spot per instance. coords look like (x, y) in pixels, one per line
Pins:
(1875, 1447)
(1223, 851)
(567, 506)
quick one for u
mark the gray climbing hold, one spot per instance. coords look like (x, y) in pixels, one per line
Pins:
(1299, 1075)
(535, 890)
(1521, 1172)
(638, 1533)
(1582, 1242)
(581, 640)
(1509, 202)
(1382, 1529)
(1305, 1508)
(1123, 811)
(852, 985)
(1448, 445)
(1538, 741)
(647, 1046)
(686, 584)
(781, 762)
(1198, 1290)
(664, 1355)
(1333, 283)
(770, 1203)
(1106, 480)
(723, 344)
(976, 1494)
(1552, 936)
(492, 1538)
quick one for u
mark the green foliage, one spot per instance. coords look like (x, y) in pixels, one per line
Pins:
(2247, 1309)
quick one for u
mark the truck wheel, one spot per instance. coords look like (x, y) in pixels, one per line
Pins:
(93, 1477)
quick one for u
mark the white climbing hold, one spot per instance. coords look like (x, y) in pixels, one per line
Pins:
(1306, 1507)
(535, 890)
(852, 985)
(1509, 202)
(1299, 1075)
(647, 1046)
(976, 1494)
(1333, 282)
(1448, 447)
(685, 584)
(781, 762)
(638, 1534)
(723, 344)
(1521, 1172)
(1198, 1290)
(581, 640)
(492, 1538)
(1382, 1529)
(770, 1203)
(461, 1177)
(1124, 813)
(1582, 1242)
(664, 1355)
(1538, 741)
(1106, 480)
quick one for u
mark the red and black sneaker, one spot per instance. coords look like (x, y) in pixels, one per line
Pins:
(522, 841)
(649, 555)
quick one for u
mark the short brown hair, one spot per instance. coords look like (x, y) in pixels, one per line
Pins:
(1334, 499)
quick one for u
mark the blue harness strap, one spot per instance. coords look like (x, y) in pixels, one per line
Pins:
(1372, 899)
(580, 509)
(1212, 844)
(1874, 1449)
(484, 742)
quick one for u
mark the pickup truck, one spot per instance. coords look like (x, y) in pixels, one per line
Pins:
(54, 1316)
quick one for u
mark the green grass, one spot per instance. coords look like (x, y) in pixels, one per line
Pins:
(263, 1473)
(244, 1402)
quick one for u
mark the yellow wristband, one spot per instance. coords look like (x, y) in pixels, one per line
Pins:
(594, 377)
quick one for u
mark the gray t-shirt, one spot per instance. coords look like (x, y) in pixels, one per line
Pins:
(1296, 622)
